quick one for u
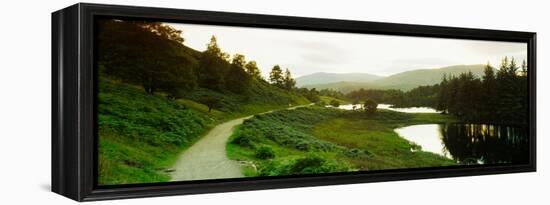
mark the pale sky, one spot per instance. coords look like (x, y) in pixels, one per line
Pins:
(306, 52)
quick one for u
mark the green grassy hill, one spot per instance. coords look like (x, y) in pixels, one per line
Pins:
(157, 97)
(140, 135)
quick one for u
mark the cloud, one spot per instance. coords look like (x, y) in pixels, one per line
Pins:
(306, 52)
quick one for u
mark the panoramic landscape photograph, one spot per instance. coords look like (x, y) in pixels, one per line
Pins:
(185, 102)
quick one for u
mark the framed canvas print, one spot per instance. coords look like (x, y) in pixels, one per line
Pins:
(155, 102)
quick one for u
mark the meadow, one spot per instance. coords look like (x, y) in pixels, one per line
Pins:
(324, 140)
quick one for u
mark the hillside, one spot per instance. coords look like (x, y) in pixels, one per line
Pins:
(157, 97)
(129, 119)
(162, 128)
(411, 79)
(405, 80)
(322, 78)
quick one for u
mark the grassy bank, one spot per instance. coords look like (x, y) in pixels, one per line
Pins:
(141, 135)
(327, 99)
(320, 140)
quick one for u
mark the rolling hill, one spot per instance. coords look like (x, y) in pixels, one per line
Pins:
(322, 78)
(145, 122)
(403, 81)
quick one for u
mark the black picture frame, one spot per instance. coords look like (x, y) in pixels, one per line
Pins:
(74, 140)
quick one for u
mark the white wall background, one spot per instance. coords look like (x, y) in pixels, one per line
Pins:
(25, 102)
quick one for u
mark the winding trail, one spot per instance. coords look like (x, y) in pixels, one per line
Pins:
(207, 158)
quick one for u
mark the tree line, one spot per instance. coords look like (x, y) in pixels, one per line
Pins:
(152, 54)
(499, 96)
(422, 96)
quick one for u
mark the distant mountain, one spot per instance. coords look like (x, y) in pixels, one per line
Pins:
(404, 81)
(344, 86)
(323, 78)
(410, 79)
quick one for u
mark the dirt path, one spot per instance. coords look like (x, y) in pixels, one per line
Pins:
(207, 158)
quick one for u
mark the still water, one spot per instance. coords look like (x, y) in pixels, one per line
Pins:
(388, 107)
(471, 143)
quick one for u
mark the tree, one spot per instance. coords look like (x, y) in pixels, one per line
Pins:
(276, 76)
(509, 85)
(370, 106)
(335, 103)
(524, 68)
(312, 95)
(288, 81)
(212, 66)
(489, 93)
(523, 83)
(163, 30)
(238, 61)
(331, 93)
(442, 95)
(500, 97)
(236, 79)
(211, 102)
(147, 54)
(213, 49)
(252, 69)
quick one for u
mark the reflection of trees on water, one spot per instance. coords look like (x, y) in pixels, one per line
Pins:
(486, 144)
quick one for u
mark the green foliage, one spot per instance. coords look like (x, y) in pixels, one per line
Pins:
(326, 100)
(162, 30)
(157, 96)
(276, 76)
(288, 82)
(289, 128)
(147, 54)
(211, 71)
(373, 145)
(357, 153)
(140, 133)
(261, 94)
(309, 164)
(422, 96)
(331, 93)
(370, 106)
(237, 80)
(252, 69)
(211, 102)
(311, 94)
(265, 152)
(243, 138)
(321, 140)
(500, 98)
(335, 103)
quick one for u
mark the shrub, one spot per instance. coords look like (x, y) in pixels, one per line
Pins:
(335, 103)
(415, 147)
(370, 106)
(357, 153)
(310, 164)
(265, 152)
(243, 140)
